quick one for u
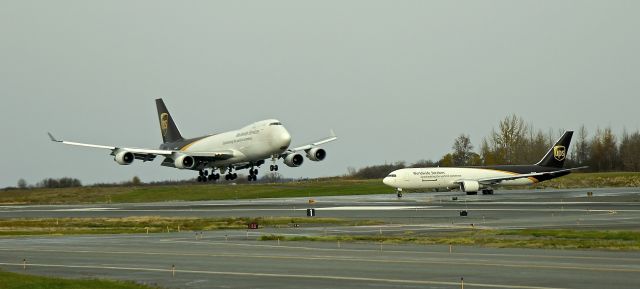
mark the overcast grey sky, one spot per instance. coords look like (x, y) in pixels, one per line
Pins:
(396, 80)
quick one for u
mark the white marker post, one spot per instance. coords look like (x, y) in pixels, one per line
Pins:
(24, 264)
(173, 270)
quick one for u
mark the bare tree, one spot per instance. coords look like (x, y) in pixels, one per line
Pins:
(462, 150)
(630, 152)
(510, 136)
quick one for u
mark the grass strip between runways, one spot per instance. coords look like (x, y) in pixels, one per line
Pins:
(139, 225)
(534, 239)
(10, 280)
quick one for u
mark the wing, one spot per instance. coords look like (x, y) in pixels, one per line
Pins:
(331, 138)
(497, 180)
(150, 154)
(139, 153)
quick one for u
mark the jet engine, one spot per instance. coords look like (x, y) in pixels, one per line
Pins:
(293, 160)
(469, 186)
(184, 162)
(124, 157)
(316, 154)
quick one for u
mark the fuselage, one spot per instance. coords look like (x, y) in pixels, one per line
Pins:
(447, 177)
(257, 141)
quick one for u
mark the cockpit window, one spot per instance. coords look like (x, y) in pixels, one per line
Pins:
(392, 176)
(275, 123)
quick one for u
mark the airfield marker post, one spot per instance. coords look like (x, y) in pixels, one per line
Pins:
(173, 270)
(147, 230)
(450, 248)
(461, 282)
(24, 264)
(178, 228)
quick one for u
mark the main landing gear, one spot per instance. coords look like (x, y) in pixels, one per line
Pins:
(487, 192)
(230, 176)
(204, 176)
(253, 175)
(399, 192)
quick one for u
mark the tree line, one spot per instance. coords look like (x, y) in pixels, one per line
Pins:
(516, 142)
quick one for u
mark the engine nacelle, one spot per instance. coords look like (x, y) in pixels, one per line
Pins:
(316, 154)
(184, 162)
(469, 186)
(124, 157)
(293, 160)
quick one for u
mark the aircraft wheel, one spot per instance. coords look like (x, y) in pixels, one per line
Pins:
(249, 178)
(235, 176)
(206, 173)
(199, 179)
(226, 177)
(472, 193)
(275, 168)
(399, 195)
(255, 172)
(271, 168)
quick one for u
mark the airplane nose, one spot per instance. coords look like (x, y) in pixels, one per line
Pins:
(285, 139)
(387, 181)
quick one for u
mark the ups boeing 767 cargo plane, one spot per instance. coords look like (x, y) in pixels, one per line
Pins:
(247, 147)
(472, 179)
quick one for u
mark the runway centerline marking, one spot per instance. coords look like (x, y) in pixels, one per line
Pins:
(278, 275)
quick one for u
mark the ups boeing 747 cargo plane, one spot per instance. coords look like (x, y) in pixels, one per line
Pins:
(472, 179)
(247, 147)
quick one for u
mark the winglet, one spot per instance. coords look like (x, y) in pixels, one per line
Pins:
(333, 134)
(53, 138)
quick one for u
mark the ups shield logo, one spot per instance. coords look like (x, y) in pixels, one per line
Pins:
(164, 123)
(559, 153)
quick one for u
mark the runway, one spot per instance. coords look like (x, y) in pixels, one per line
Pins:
(234, 259)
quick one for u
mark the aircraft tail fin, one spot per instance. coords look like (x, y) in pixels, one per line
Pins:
(557, 154)
(168, 128)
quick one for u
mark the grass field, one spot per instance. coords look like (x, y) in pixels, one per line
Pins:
(10, 280)
(225, 191)
(194, 192)
(535, 239)
(594, 180)
(72, 226)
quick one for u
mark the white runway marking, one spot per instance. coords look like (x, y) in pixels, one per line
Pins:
(277, 275)
(373, 208)
(85, 210)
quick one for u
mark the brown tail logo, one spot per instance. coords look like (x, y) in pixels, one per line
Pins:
(559, 153)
